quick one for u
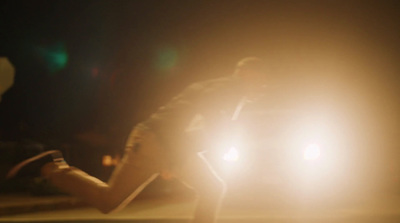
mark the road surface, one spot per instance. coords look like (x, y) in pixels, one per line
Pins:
(179, 211)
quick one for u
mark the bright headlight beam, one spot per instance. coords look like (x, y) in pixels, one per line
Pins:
(312, 152)
(232, 155)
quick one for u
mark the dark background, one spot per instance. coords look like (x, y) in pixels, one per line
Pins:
(87, 71)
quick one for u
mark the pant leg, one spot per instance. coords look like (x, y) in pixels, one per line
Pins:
(198, 174)
(140, 165)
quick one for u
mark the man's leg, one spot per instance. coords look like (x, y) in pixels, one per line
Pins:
(198, 174)
(140, 165)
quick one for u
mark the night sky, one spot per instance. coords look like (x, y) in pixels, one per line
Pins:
(102, 66)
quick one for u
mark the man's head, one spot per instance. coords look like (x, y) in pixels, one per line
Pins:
(252, 73)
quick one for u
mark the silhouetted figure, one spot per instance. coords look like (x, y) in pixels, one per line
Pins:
(169, 142)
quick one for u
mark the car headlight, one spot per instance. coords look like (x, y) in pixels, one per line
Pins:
(232, 155)
(312, 152)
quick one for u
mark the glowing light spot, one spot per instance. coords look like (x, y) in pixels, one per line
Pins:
(107, 160)
(55, 56)
(166, 59)
(312, 152)
(6, 75)
(110, 161)
(232, 155)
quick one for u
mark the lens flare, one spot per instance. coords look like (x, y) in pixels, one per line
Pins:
(55, 57)
(312, 152)
(166, 59)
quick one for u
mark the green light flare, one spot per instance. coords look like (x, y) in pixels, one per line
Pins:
(166, 59)
(54, 56)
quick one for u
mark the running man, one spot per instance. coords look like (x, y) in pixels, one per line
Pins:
(168, 142)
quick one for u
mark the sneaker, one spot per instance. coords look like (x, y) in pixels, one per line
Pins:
(33, 165)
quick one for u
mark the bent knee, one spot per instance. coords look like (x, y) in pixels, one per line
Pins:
(108, 206)
(107, 202)
(107, 209)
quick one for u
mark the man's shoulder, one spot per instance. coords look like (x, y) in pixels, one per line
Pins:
(211, 83)
(211, 87)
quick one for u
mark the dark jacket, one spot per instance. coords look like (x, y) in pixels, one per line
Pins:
(192, 120)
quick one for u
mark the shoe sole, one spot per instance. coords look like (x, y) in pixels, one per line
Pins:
(56, 155)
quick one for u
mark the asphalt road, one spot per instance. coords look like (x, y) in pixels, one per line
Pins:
(179, 211)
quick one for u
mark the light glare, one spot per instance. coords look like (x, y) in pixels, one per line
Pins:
(312, 152)
(232, 155)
